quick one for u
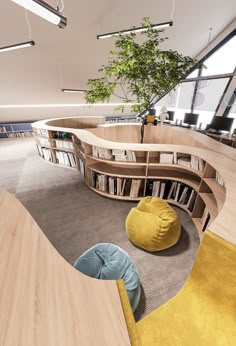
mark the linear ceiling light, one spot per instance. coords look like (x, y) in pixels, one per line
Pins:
(140, 29)
(43, 10)
(72, 91)
(17, 46)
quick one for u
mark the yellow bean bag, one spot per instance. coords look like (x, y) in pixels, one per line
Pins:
(153, 225)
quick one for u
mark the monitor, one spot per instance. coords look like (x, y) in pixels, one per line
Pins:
(171, 115)
(190, 118)
(221, 123)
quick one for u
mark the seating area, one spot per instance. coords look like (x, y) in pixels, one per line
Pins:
(153, 225)
(106, 261)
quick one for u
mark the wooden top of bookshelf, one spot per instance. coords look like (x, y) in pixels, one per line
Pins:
(43, 299)
(169, 139)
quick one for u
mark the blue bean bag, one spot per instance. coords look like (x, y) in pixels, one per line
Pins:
(109, 262)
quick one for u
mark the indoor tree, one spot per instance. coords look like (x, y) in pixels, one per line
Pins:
(139, 72)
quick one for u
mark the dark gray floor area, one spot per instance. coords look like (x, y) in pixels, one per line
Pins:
(75, 218)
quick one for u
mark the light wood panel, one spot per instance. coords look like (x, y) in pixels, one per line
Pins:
(44, 301)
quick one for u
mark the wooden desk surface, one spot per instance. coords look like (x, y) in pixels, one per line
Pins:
(43, 299)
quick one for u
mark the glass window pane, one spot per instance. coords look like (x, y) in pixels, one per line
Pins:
(186, 95)
(209, 94)
(222, 61)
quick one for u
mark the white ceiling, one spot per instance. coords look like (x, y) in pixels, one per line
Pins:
(67, 58)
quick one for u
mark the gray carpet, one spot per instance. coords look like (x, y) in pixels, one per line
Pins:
(74, 218)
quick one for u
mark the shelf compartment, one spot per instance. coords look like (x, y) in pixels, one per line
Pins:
(111, 170)
(124, 198)
(188, 179)
(175, 167)
(210, 202)
(218, 191)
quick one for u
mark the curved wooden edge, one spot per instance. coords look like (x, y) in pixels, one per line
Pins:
(43, 299)
(205, 148)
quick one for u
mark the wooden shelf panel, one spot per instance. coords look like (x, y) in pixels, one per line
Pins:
(176, 176)
(57, 164)
(64, 150)
(218, 191)
(108, 169)
(164, 171)
(140, 161)
(210, 201)
(124, 198)
(176, 168)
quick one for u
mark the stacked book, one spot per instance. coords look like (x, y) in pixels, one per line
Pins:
(184, 161)
(116, 186)
(167, 158)
(197, 163)
(134, 190)
(102, 153)
(124, 155)
(172, 190)
(67, 159)
(44, 153)
(64, 144)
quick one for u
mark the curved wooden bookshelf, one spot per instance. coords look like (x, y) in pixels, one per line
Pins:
(113, 154)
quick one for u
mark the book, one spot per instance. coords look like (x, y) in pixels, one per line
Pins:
(177, 191)
(206, 223)
(156, 188)
(149, 188)
(134, 190)
(183, 195)
(166, 157)
(111, 186)
(123, 186)
(162, 189)
(172, 190)
(184, 161)
(192, 200)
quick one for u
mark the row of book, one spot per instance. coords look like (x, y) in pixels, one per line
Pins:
(116, 154)
(44, 153)
(115, 185)
(67, 159)
(190, 161)
(168, 189)
(65, 144)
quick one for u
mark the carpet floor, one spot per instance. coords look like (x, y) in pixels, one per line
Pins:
(74, 218)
